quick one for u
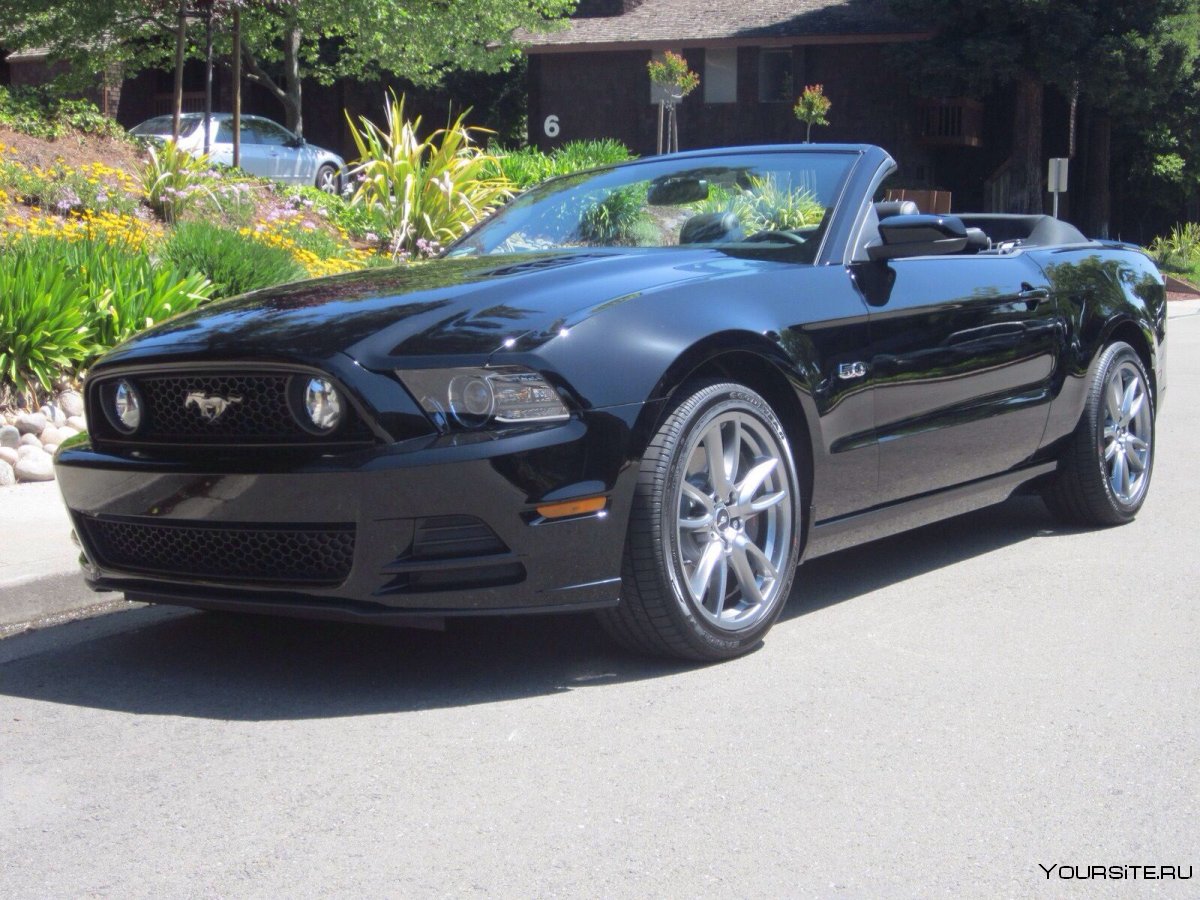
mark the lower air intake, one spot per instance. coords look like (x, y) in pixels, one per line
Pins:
(230, 552)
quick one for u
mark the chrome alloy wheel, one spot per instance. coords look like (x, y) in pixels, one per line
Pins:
(1128, 432)
(734, 522)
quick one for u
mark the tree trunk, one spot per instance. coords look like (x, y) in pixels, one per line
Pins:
(289, 93)
(1026, 192)
(291, 78)
(180, 47)
(1097, 176)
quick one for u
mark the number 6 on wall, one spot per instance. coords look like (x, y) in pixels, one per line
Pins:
(550, 126)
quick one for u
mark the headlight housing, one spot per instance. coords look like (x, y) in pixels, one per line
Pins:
(474, 398)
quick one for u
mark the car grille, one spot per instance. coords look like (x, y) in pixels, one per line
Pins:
(263, 414)
(301, 554)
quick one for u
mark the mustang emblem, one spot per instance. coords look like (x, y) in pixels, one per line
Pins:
(211, 406)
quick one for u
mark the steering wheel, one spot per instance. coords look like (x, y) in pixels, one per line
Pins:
(786, 237)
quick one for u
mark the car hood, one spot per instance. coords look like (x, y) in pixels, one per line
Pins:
(467, 307)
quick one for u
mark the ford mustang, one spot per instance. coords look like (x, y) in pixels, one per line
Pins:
(649, 390)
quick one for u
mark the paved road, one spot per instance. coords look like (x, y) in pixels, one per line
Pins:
(937, 715)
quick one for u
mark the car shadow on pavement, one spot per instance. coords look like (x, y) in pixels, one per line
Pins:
(850, 573)
(163, 661)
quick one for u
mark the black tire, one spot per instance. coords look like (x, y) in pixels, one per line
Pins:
(327, 179)
(1089, 489)
(685, 536)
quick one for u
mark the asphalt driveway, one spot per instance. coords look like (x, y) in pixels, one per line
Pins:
(941, 713)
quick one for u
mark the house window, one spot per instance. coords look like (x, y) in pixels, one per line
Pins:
(776, 83)
(720, 75)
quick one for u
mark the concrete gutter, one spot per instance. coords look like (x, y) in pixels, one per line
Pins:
(39, 568)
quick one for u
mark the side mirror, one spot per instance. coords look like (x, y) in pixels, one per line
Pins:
(920, 235)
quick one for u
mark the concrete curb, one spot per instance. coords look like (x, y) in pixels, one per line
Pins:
(30, 602)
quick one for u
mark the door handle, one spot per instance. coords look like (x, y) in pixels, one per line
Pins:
(1033, 297)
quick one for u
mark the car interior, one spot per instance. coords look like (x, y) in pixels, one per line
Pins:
(986, 232)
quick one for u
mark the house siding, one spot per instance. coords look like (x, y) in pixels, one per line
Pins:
(606, 95)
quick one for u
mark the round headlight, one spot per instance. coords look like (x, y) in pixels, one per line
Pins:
(126, 407)
(322, 404)
(472, 400)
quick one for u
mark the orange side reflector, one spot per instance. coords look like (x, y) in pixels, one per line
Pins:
(572, 507)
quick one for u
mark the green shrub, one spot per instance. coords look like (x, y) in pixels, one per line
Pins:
(421, 191)
(525, 167)
(233, 262)
(529, 166)
(1178, 251)
(764, 206)
(44, 330)
(42, 112)
(124, 291)
(579, 155)
(105, 291)
(619, 218)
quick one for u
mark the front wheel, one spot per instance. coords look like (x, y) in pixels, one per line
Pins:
(327, 179)
(714, 534)
(1105, 472)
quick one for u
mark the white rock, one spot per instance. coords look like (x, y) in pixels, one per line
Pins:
(54, 415)
(7, 475)
(9, 436)
(9, 455)
(30, 440)
(29, 450)
(71, 403)
(31, 423)
(67, 432)
(35, 467)
(51, 436)
(79, 423)
(50, 448)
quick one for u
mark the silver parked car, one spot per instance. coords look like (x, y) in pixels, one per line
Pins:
(268, 149)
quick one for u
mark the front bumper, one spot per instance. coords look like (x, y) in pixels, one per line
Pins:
(440, 525)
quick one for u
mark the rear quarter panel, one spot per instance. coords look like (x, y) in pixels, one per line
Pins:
(1104, 292)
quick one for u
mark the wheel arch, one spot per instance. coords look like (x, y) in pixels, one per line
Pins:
(1128, 330)
(762, 366)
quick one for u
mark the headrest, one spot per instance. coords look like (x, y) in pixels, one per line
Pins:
(889, 208)
(710, 228)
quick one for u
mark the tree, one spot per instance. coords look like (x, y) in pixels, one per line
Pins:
(1119, 57)
(811, 108)
(286, 41)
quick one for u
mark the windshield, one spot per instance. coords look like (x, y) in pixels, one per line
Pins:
(781, 199)
(160, 126)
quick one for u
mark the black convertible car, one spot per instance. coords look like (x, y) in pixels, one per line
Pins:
(649, 390)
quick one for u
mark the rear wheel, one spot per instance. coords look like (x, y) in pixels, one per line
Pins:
(714, 533)
(327, 179)
(1105, 471)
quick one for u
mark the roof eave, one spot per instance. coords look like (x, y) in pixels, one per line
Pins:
(534, 49)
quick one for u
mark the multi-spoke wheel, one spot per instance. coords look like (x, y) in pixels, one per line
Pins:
(714, 534)
(327, 179)
(1105, 471)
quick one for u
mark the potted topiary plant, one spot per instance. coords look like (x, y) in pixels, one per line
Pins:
(671, 73)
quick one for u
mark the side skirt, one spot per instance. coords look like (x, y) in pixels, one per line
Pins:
(860, 528)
